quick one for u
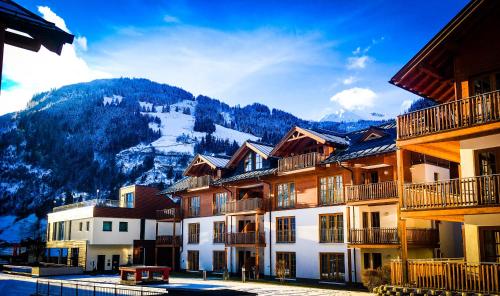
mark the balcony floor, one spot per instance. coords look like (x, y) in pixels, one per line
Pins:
(381, 201)
(448, 214)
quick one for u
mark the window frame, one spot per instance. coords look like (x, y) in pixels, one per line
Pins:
(194, 210)
(291, 195)
(193, 254)
(339, 273)
(285, 225)
(333, 234)
(218, 207)
(331, 190)
(259, 161)
(120, 224)
(193, 233)
(110, 223)
(291, 262)
(248, 163)
(219, 261)
(219, 236)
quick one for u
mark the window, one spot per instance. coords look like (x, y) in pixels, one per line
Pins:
(258, 161)
(80, 226)
(436, 177)
(193, 260)
(58, 231)
(123, 227)
(219, 232)
(286, 195)
(286, 260)
(219, 261)
(129, 200)
(372, 260)
(193, 233)
(331, 190)
(481, 85)
(220, 200)
(285, 229)
(248, 165)
(331, 227)
(88, 225)
(107, 226)
(332, 266)
(490, 244)
(194, 206)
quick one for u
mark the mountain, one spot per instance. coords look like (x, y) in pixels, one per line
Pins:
(72, 141)
(342, 115)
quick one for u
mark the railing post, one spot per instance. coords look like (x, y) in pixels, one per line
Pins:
(61, 288)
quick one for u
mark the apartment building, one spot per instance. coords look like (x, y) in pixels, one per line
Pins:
(103, 234)
(320, 204)
(459, 69)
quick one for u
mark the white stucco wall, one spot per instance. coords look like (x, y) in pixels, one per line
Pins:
(424, 172)
(467, 148)
(108, 250)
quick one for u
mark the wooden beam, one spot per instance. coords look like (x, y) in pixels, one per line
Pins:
(440, 213)
(444, 150)
(22, 41)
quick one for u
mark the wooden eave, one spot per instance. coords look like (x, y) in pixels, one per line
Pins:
(448, 214)
(374, 202)
(430, 72)
(295, 139)
(241, 152)
(194, 168)
(374, 246)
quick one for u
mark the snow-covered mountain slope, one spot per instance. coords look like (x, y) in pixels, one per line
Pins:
(342, 115)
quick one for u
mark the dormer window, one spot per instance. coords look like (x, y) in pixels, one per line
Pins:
(258, 161)
(248, 163)
(128, 200)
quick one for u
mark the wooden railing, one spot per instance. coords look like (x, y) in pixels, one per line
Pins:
(285, 236)
(219, 238)
(199, 182)
(244, 205)
(422, 236)
(455, 193)
(480, 109)
(301, 161)
(169, 240)
(374, 235)
(373, 191)
(244, 238)
(334, 235)
(165, 214)
(449, 275)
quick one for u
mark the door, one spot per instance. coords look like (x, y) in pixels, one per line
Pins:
(115, 262)
(490, 244)
(488, 167)
(101, 261)
(375, 227)
(374, 177)
(74, 256)
(142, 256)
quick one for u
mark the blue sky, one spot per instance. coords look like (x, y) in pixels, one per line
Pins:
(310, 58)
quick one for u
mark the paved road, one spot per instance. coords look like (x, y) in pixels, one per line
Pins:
(18, 285)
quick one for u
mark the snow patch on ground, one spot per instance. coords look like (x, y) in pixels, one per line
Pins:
(13, 231)
(113, 100)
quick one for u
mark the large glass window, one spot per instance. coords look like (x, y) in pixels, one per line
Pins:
(286, 195)
(331, 228)
(331, 190)
(194, 206)
(123, 227)
(285, 229)
(107, 226)
(286, 262)
(193, 233)
(258, 161)
(248, 163)
(193, 260)
(219, 232)
(332, 266)
(481, 85)
(129, 199)
(219, 261)
(220, 200)
(372, 260)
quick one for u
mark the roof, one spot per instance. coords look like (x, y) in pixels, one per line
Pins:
(430, 72)
(246, 176)
(214, 162)
(14, 16)
(218, 161)
(359, 147)
(263, 150)
(180, 185)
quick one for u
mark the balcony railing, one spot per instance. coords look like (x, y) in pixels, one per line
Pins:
(455, 193)
(480, 109)
(422, 236)
(165, 214)
(449, 275)
(302, 161)
(199, 182)
(285, 236)
(373, 236)
(373, 191)
(169, 240)
(335, 235)
(219, 238)
(244, 205)
(105, 203)
(245, 238)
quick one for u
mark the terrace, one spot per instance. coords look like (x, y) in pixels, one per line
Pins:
(389, 236)
(371, 192)
(299, 162)
(246, 238)
(247, 205)
(103, 203)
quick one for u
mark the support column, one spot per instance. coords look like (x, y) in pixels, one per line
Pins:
(174, 244)
(156, 247)
(257, 269)
(403, 163)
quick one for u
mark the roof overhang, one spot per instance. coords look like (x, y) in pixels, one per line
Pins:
(200, 165)
(296, 137)
(242, 151)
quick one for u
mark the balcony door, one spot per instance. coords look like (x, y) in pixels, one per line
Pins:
(488, 166)
(490, 244)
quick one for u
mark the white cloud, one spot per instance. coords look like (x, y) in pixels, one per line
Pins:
(171, 19)
(357, 62)
(406, 105)
(81, 42)
(349, 80)
(34, 72)
(355, 98)
(357, 51)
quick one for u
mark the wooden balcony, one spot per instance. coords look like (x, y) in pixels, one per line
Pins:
(168, 214)
(169, 240)
(195, 183)
(479, 191)
(373, 236)
(468, 112)
(247, 205)
(335, 235)
(299, 162)
(370, 193)
(245, 238)
(449, 274)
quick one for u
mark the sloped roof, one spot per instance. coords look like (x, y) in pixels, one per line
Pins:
(218, 161)
(14, 16)
(215, 162)
(180, 185)
(262, 149)
(246, 176)
(359, 147)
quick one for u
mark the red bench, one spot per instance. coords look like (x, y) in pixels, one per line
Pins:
(132, 275)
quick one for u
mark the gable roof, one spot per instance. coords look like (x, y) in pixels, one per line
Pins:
(214, 162)
(320, 135)
(360, 147)
(262, 149)
(433, 64)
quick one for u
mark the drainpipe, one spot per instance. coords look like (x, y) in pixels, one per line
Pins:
(270, 232)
